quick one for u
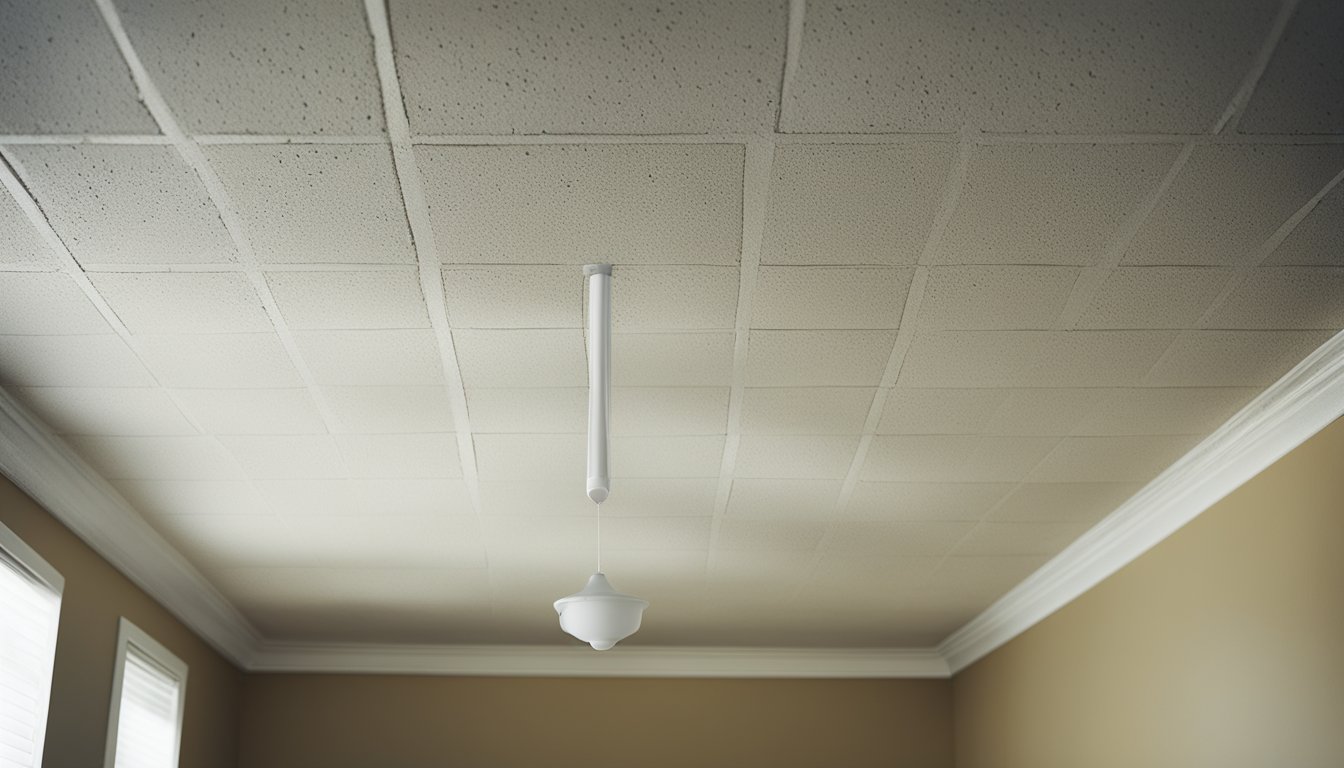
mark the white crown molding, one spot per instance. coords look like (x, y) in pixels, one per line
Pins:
(75, 494)
(1306, 400)
(581, 661)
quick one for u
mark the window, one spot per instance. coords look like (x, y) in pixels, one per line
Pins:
(30, 606)
(148, 693)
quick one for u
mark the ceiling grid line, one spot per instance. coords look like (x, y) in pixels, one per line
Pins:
(757, 173)
(429, 263)
(191, 153)
(909, 325)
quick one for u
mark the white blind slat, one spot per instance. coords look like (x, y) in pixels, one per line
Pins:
(28, 611)
(147, 724)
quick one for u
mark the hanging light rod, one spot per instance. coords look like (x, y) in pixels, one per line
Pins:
(598, 614)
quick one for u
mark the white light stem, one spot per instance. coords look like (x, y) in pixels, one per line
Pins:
(599, 379)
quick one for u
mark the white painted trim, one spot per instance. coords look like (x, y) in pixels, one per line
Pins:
(27, 559)
(1297, 406)
(127, 635)
(26, 556)
(581, 661)
(47, 470)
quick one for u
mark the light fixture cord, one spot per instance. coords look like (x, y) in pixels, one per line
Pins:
(599, 537)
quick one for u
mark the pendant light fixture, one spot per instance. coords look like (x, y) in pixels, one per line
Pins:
(598, 614)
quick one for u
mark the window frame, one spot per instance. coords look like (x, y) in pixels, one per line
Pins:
(27, 558)
(128, 634)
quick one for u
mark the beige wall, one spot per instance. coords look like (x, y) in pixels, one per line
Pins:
(1222, 647)
(335, 721)
(96, 596)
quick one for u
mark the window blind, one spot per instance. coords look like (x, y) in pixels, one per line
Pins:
(28, 615)
(147, 725)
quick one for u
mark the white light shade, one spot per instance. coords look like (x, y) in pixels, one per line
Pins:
(599, 615)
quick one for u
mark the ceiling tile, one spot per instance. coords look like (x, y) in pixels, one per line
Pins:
(671, 360)
(376, 540)
(70, 361)
(978, 581)
(316, 203)
(1154, 297)
(76, 51)
(1229, 199)
(213, 540)
(665, 456)
(994, 298)
(413, 496)
(853, 204)
(656, 533)
(1317, 240)
(1049, 203)
(953, 458)
(105, 411)
(1233, 358)
(543, 458)
(382, 357)
(46, 303)
(528, 498)
(183, 302)
(267, 457)
(1098, 358)
(939, 411)
(542, 533)
(732, 570)
(24, 245)
(688, 66)
(678, 204)
(805, 410)
(830, 297)
(192, 497)
(349, 300)
(253, 66)
(795, 456)
(252, 411)
(391, 410)
(879, 573)
(1285, 298)
(423, 455)
(1299, 90)
(1063, 68)
(924, 501)
(352, 588)
(1130, 458)
(125, 204)
(783, 498)
(1163, 411)
(672, 298)
(329, 496)
(510, 296)
(669, 411)
(1031, 358)
(219, 360)
(157, 458)
(535, 410)
(818, 358)
(1042, 412)
(523, 358)
(1062, 502)
(755, 535)
(635, 497)
(896, 539)
(1002, 539)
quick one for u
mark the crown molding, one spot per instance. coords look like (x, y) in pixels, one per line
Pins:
(51, 473)
(581, 661)
(1306, 400)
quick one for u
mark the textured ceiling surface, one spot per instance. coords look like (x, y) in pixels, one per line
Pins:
(907, 295)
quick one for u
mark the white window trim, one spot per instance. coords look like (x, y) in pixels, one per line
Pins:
(27, 557)
(127, 635)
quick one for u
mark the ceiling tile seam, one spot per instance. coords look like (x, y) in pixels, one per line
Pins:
(236, 267)
(793, 46)
(195, 158)
(238, 139)
(1091, 278)
(546, 139)
(757, 173)
(953, 186)
(1266, 249)
(1232, 115)
(77, 139)
(427, 255)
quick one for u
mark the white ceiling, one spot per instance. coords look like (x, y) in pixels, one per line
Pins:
(908, 295)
